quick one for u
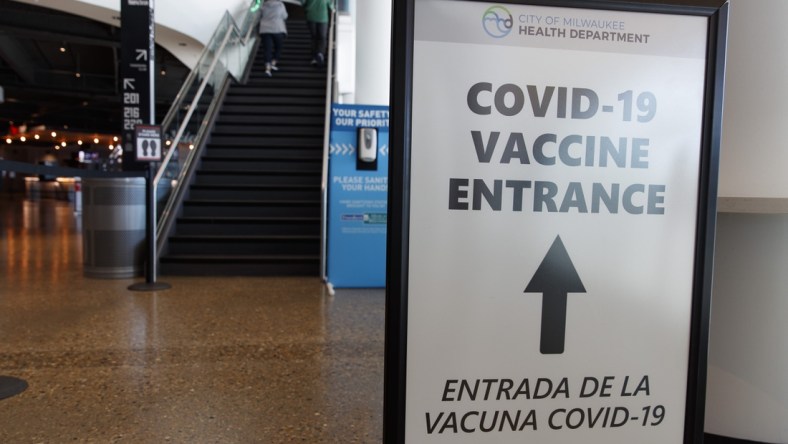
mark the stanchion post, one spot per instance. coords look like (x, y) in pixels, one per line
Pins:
(149, 138)
(150, 225)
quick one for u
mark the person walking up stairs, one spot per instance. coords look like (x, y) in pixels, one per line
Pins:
(273, 32)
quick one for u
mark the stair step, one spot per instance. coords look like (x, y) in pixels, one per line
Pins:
(238, 166)
(251, 208)
(282, 110)
(274, 100)
(273, 151)
(300, 142)
(277, 91)
(234, 265)
(302, 65)
(266, 119)
(255, 192)
(249, 225)
(260, 161)
(245, 245)
(305, 170)
(293, 53)
(264, 154)
(209, 178)
(257, 76)
(308, 175)
(278, 81)
(266, 130)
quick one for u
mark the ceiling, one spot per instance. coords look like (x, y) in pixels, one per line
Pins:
(62, 71)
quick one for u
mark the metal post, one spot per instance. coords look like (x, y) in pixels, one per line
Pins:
(150, 283)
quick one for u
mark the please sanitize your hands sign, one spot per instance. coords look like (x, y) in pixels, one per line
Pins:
(551, 220)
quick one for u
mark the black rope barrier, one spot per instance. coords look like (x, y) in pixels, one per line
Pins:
(47, 170)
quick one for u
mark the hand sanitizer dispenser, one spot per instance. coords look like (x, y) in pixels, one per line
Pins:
(367, 144)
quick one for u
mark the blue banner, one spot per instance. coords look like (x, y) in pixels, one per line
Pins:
(357, 196)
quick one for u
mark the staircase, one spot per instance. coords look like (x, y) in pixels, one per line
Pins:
(253, 208)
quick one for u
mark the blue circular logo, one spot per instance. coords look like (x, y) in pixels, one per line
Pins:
(497, 21)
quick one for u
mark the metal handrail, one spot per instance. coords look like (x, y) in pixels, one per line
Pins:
(330, 79)
(211, 56)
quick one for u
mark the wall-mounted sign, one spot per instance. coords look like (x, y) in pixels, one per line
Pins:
(553, 189)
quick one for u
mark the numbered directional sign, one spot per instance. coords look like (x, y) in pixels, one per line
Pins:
(147, 139)
(137, 74)
(552, 204)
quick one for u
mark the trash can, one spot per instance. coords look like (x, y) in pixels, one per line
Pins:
(113, 227)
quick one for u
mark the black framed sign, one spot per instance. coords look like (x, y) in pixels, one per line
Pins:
(138, 75)
(551, 220)
(147, 140)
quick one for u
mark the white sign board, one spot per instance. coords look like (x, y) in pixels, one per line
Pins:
(148, 143)
(555, 160)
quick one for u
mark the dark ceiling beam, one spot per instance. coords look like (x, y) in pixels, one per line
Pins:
(38, 34)
(45, 94)
(17, 59)
(31, 17)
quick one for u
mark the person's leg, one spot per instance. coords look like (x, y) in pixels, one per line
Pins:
(278, 41)
(322, 41)
(314, 35)
(268, 43)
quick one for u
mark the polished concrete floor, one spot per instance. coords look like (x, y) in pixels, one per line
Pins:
(212, 360)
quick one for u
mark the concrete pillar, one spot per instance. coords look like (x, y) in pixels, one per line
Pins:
(373, 51)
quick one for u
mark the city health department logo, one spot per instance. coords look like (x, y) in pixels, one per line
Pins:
(497, 21)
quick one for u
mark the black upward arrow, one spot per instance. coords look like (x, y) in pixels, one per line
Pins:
(555, 277)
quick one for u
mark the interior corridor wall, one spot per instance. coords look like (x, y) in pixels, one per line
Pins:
(747, 394)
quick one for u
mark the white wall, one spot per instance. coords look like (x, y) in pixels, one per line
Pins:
(346, 56)
(373, 49)
(747, 386)
(178, 23)
(747, 393)
(754, 152)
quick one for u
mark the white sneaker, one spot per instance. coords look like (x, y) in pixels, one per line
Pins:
(273, 65)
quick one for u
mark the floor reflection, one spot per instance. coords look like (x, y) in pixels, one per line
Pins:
(211, 360)
(41, 240)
